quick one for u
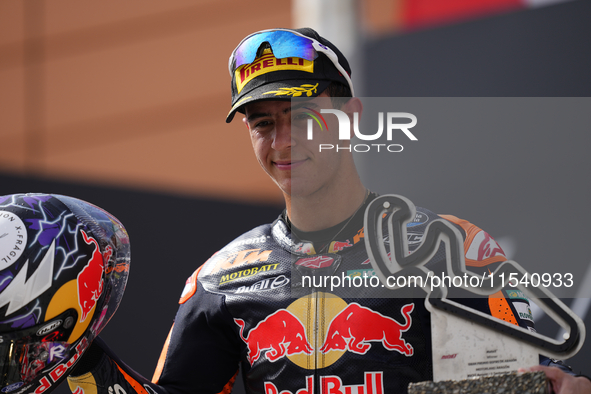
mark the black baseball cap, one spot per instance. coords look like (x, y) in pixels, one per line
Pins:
(279, 64)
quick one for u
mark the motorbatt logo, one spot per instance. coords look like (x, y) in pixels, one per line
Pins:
(339, 328)
(394, 122)
(247, 273)
(332, 384)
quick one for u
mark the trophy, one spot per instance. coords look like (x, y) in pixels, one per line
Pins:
(472, 351)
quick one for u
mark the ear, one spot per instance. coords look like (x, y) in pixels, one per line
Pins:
(353, 105)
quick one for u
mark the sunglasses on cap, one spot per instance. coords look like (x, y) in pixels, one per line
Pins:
(283, 43)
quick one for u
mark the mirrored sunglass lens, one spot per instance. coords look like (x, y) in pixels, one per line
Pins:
(283, 44)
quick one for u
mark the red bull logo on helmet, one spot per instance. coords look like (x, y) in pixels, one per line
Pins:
(90, 279)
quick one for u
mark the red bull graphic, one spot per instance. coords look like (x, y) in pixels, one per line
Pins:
(338, 326)
(356, 326)
(337, 246)
(90, 279)
(280, 334)
(61, 369)
(373, 384)
(305, 247)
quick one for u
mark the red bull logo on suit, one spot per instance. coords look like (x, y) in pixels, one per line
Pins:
(280, 334)
(343, 328)
(356, 326)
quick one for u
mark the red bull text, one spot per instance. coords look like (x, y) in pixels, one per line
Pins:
(373, 384)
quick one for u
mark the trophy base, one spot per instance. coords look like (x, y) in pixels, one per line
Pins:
(510, 383)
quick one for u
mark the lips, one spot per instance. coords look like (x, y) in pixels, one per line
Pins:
(288, 164)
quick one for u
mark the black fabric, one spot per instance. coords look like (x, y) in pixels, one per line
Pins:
(90, 359)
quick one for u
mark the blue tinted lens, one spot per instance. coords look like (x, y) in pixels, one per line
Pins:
(283, 44)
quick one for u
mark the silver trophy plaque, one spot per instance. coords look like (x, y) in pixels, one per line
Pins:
(466, 342)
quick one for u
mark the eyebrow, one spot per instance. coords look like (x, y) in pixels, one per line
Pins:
(257, 115)
(305, 104)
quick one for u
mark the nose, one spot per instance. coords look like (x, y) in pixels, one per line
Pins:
(282, 139)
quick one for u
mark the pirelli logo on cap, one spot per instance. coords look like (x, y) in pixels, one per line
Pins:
(269, 63)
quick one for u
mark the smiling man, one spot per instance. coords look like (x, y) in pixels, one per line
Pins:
(324, 185)
(248, 306)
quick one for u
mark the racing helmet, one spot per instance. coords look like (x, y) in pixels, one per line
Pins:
(64, 264)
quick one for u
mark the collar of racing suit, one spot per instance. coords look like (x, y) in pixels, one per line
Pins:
(321, 238)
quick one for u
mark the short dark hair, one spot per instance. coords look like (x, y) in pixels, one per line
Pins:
(339, 94)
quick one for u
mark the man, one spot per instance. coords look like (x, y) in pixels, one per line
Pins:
(250, 304)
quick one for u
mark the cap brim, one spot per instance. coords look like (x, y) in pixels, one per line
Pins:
(279, 90)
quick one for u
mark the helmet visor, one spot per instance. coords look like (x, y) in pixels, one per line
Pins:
(22, 361)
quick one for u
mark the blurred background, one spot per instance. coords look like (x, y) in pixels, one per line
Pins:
(122, 104)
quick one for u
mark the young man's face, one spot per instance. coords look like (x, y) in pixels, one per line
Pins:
(285, 153)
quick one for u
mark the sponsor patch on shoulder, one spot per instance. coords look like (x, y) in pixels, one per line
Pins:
(484, 247)
(190, 287)
(516, 295)
(523, 311)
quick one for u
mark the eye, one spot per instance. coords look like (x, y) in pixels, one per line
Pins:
(299, 116)
(300, 119)
(261, 124)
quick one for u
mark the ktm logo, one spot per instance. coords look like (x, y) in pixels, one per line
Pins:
(351, 327)
(247, 256)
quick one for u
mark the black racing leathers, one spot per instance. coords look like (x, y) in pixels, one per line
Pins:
(268, 302)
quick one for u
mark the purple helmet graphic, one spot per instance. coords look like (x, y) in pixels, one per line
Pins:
(64, 264)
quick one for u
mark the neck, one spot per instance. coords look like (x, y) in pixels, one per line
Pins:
(326, 207)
